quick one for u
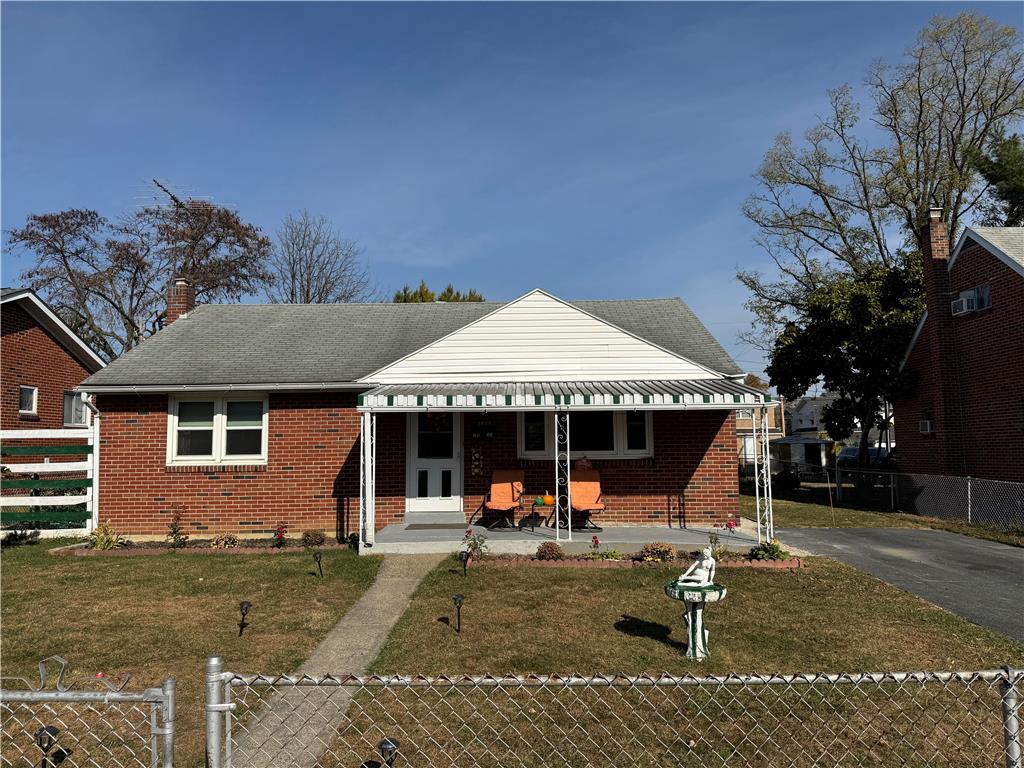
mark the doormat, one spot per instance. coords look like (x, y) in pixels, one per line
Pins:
(436, 527)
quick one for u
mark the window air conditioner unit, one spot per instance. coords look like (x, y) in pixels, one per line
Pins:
(926, 426)
(968, 302)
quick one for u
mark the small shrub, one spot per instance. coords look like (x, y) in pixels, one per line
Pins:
(176, 535)
(550, 550)
(105, 537)
(769, 551)
(475, 544)
(657, 552)
(313, 538)
(353, 542)
(596, 553)
(224, 541)
(717, 548)
(279, 535)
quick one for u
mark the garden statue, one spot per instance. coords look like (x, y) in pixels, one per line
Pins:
(696, 587)
(702, 572)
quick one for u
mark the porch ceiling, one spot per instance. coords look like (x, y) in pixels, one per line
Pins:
(549, 396)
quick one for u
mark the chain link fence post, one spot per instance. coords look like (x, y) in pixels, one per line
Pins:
(1011, 717)
(168, 705)
(214, 711)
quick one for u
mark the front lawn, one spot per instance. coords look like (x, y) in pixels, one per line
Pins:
(161, 616)
(828, 617)
(811, 513)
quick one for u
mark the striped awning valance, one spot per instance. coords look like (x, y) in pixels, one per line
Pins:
(641, 395)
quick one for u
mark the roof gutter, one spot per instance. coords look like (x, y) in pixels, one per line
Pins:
(120, 389)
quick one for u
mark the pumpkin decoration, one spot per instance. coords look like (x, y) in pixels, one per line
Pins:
(539, 501)
(549, 500)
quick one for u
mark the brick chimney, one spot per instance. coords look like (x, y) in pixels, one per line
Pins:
(181, 299)
(943, 374)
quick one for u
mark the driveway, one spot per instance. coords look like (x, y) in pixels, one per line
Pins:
(983, 581)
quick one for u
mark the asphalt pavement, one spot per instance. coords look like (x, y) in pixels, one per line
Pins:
(983, 581)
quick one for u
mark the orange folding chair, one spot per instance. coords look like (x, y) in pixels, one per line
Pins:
(505, 497)
(585, 496)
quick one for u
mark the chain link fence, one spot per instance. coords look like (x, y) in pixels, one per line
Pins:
(991, 503)
(892, 719)
(110, 728)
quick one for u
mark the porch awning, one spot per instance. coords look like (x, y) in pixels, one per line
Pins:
(548, 396)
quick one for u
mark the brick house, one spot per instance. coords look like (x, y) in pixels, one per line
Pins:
(965, 416)
(42, 361)
(354, 417)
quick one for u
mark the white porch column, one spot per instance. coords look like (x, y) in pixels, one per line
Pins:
(563, 462)
(367, 477)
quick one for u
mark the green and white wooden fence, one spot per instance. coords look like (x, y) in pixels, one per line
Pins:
(78, 502)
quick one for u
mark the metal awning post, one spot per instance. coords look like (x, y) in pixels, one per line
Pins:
(757, 483)
(763, 480)
(563, 493)
(367, 476)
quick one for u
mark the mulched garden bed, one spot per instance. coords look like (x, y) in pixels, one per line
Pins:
(516, 561)
(193, 547)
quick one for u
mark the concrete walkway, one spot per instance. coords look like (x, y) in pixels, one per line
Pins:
(983, 581)
(294, 726)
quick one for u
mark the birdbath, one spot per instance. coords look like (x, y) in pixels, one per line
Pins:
(695, 588)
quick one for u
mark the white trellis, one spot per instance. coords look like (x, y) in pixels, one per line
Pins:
(763, 479)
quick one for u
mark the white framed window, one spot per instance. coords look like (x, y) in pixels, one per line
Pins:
(75, 412)
(745, 413)
(217, 430)
(28, 399)
(594, 434)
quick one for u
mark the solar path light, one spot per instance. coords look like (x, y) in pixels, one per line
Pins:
(457, 601)
(243, 607)
(317, 557)
(388, 749)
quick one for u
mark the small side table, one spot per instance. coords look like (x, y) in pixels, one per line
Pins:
(534, 515)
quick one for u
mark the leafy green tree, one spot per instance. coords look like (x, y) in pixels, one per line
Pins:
(1003, 168)
(422, 293)
(852, 337)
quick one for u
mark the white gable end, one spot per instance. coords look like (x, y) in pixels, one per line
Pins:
(539, 338)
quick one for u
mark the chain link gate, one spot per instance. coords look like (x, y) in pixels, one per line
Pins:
(968, 719)
(86, 729)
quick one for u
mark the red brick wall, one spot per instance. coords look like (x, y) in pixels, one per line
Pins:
(988, 353)
(32, 357)
(312, 478)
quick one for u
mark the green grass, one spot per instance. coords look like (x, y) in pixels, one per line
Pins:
(160, 616)
(828, 617)
(811, 513)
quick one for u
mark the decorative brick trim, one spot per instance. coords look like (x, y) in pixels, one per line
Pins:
(206, 469)
(791, 564)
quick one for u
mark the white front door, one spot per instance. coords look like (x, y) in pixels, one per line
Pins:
(434, 461)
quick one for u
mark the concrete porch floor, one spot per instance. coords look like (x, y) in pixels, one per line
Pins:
(396, 539)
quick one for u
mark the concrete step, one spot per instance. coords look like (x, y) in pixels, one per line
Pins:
(435, 518)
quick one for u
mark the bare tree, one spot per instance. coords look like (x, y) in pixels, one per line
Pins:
(834, 203)
(107, 279)
(314, 264)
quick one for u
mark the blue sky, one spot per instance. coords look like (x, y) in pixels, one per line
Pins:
(597, 151)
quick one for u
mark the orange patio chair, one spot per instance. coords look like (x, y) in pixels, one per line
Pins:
(505, 497)
(585, 496)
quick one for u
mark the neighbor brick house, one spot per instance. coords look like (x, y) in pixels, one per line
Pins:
(965, 415)
(353, 417)
(42, 361)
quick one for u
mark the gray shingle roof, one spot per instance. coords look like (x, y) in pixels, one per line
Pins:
(334, 343)
(1009, 240)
